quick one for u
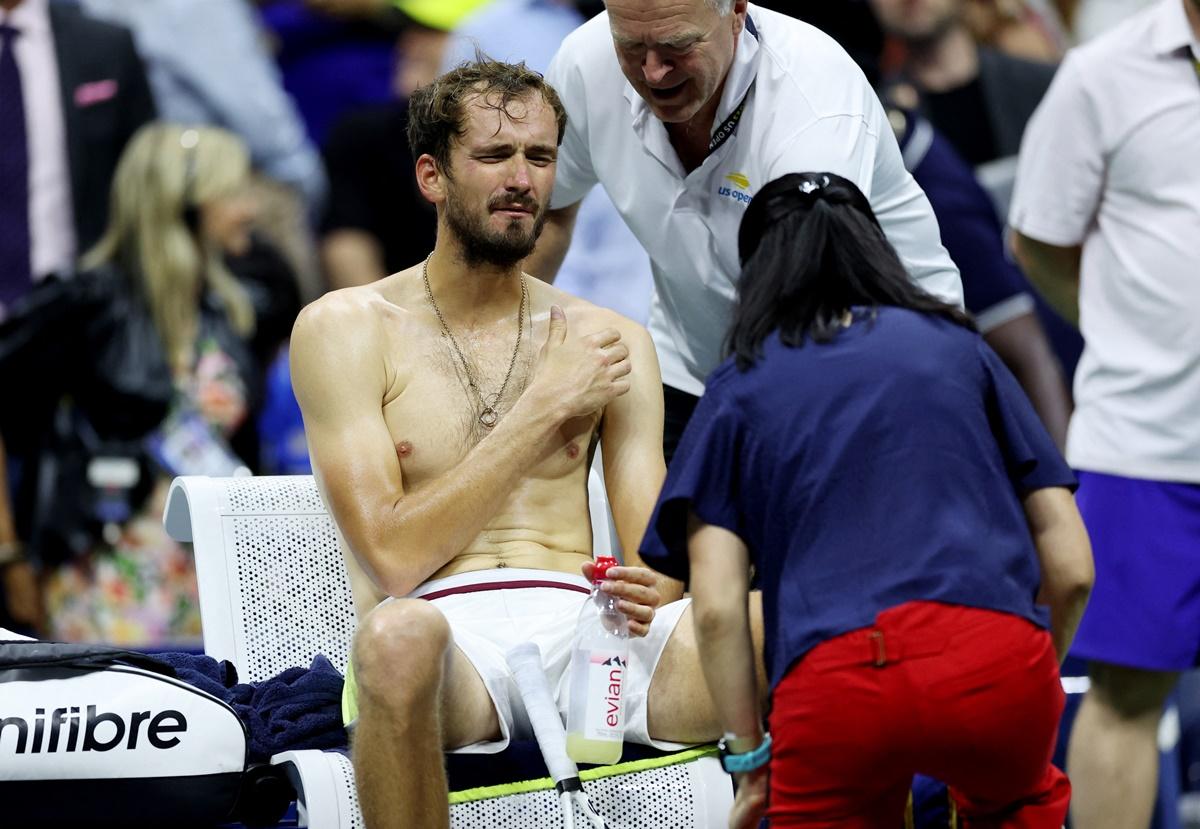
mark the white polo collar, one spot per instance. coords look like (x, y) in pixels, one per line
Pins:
(1172, 31)
(742, 72)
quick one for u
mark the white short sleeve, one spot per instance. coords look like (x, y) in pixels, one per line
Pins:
(849, 146)
(1060, 171)
(574, 176)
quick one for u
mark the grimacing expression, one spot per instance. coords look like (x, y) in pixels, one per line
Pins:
(917, 20)
(675, 53)
(500, 177)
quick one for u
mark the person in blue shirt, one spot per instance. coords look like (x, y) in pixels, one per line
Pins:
(911, 524)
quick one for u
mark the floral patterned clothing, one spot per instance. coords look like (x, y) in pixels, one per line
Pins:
(137, 588)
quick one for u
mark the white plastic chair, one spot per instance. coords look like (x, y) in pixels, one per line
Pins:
(274, 592)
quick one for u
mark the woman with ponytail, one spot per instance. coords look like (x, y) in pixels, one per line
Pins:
(868, 461)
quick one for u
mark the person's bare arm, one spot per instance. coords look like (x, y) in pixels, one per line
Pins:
(339, 369)
(1065, 556)
(720, 582)
(553, 244)
(351, 257)
(634, 470)
(1021, 343)
(1053, 269)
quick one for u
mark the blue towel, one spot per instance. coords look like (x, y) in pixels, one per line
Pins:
(300, 708)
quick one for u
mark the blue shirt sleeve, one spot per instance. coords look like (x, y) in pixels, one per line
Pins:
(971, 230)
(703, 478)
(1030, 456)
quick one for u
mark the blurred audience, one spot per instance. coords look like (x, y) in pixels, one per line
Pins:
(208, 65)
(1004, 304)
(1106, 213)
(72, 92)
(377, 221)
(144, 366)
(605, 263)
(978, 97)
(340, 55)
(1030, 29)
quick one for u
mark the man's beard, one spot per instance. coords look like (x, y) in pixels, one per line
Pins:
(482, 246)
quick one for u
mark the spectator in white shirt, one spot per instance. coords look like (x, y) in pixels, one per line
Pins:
(1107, 210)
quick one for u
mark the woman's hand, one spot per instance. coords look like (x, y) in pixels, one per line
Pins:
(750, 805)
(636, 591)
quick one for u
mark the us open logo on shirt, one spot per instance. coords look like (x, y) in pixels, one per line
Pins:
(736, 189)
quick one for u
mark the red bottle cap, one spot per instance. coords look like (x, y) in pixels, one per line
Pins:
(602, 565)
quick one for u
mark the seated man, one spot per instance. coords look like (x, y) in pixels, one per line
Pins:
(452, 410)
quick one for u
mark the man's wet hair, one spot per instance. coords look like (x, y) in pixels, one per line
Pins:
(437, 112)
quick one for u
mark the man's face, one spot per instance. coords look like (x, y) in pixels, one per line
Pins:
(500, 177)
(917, 20)
(675, 53)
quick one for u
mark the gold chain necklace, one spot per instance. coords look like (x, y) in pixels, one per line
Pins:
(488, 416)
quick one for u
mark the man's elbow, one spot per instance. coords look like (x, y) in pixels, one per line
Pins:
(389, 565)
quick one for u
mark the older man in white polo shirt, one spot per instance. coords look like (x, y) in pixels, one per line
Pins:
(701, 103)
(1107, 203)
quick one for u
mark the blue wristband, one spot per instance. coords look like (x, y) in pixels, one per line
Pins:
(748, 760)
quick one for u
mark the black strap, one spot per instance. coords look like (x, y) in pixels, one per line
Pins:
(569, 784)
(726, 131)
(20, 655)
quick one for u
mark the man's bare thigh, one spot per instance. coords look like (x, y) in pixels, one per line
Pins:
(679, 708)
(468, 715)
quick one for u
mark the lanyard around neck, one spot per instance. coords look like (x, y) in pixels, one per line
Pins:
(726, 131)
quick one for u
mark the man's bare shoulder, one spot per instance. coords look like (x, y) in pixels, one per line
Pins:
(584, 316)
(356, 311)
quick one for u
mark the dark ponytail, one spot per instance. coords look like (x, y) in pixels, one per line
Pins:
(811, 248)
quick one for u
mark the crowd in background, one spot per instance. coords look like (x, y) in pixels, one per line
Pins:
(256, 157)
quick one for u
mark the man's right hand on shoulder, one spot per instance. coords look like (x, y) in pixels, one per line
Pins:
(580, 375)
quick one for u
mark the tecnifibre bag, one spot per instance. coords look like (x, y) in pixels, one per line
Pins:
(93, 736)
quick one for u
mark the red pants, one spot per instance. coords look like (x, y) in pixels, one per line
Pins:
(969, 697)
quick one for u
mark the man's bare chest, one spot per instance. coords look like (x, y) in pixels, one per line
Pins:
(437, 408)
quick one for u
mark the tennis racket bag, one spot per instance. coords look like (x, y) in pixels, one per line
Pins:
(94, 736)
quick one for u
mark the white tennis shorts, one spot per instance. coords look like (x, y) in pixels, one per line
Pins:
(491, 611)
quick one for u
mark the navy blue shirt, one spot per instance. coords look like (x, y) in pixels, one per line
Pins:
(974, 237)
(885, 466)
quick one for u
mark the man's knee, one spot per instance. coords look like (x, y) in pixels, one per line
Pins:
(1130, 693)
(400, 648)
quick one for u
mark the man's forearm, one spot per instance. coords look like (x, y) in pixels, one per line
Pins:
(553, 244)
(1054, 270)
(1022, 345)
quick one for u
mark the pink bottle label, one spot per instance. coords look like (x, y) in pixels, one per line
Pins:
(605, 719)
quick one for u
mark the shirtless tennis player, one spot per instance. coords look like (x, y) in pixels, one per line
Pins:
(452, 410)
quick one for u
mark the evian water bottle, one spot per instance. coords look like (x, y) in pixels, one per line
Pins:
(596, 712)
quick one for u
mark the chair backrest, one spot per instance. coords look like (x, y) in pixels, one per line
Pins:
(274, 590)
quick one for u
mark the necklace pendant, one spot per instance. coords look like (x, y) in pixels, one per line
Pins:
(488, 417)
